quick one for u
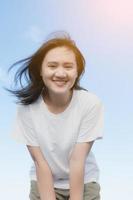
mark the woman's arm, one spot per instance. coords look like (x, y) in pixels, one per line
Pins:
(77, 166)
(44, 174)
(76, 180)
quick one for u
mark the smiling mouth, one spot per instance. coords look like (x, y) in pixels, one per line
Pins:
(60, 83)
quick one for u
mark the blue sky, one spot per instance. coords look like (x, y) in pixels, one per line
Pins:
(103, 30)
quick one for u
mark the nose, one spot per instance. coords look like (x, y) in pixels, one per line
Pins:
(60, 73)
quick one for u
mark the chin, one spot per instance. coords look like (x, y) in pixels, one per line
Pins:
(60, 90)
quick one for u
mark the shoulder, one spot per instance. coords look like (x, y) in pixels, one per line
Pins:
(22, 111)
(90, 104)
(88, 98)
(28, 111)
(22, 108)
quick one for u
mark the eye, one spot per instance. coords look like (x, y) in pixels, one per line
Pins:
(52, 66)
(68, 67)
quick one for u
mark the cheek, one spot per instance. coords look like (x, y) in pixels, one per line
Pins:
(46, 73)
(74, 74)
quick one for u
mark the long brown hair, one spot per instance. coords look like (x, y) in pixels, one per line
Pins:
(31, 67)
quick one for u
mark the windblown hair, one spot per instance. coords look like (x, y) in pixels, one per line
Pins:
(31, 68)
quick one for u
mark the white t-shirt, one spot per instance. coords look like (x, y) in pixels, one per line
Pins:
(56, 134)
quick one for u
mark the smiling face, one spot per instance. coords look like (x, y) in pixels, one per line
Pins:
(59, 70)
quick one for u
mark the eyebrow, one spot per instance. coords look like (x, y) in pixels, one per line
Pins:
(54, 62)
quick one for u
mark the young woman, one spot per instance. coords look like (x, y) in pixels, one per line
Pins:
(58, 121)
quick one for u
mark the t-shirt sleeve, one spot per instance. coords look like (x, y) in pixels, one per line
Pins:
(92, 125)
(23, 130)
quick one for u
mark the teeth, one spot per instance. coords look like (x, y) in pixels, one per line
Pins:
(60, 82)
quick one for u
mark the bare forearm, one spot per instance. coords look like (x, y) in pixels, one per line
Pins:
(45, 183)
(76, 180)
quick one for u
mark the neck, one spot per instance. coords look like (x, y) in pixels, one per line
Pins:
(58, 101)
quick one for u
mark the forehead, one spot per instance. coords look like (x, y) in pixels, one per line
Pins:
(60, 53)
